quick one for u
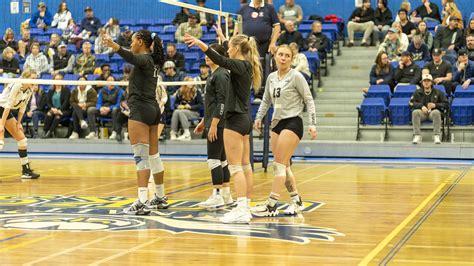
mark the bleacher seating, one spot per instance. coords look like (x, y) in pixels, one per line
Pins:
(462, 111)
(403, 91)
(399, 111)
(380, 91)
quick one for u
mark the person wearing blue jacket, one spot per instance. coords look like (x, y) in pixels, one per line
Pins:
(382, 71)
(42, 18)
(464, 70)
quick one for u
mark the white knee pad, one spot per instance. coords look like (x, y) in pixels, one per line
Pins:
(289, 172)
(246, 167)
(279, 169)
(213, 164)
(224, 163)
(156, 165)
(140, 154)
(233, 169)
(22, 143)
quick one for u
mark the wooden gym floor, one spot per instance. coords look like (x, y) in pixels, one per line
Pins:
(356, 213)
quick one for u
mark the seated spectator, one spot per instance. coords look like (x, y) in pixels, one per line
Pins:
(42, 18)
(230, 27)
(362, 19)
(9, 65)
(171, 75)
(122, 117)
(104, 73)
(382, 72)
(407, 6)
(317, 41)
(90, 24)
(427, 11)
(36, 108)
(37, 61)
(205, 19)
(470, 46)
(300, 61)
(59, 108)
(100, 47)
(401, 36)
(419, 51)
(449, 39)
(203, 75)
(452, 10)
(407, 26)
(291, 35)
(391, 46)
(112, 28)
(191, 27)
(187, 106)
(24, 44)
(108, 106)
(72, 33)
(181, 17)
(127, 69)
(125, 38)
(290, 12)
(469, 29)
(52, 47)
(440, 70)
(62, 17)
(85, 62)
(83, 99)
(63, 60)
(427, 103)
(8, 40)
(174, 56)
(407, 72)
(382, 21)
(425, 34)
(464, 71)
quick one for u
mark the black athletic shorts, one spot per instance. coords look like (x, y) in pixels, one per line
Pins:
(215, 150)
(294, 124)
(146, 113)
(240, 123)
(10, 115)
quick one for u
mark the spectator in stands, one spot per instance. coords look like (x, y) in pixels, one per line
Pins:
(464, 71)
(83, 98)
(122, 116)
(449, 39)
(419, 51)
(191, 27)
(8, 40)
(42, 18)
(401, 36)
(85, 62)
(382, 21)
(265, 27)
(36, 108)
(62, 17)
(290, 12)
(361, 19)
(391, 46)
(104, 72)
(90, 24)
(291, 35)
(300, 61)
(428, 11)
(203, 75)
(230, 27)
(181, 17)
(127, 69)
(24, 44)
(59, 108)
(407, 26)
(52, 48)
(108, 106)
(427, 103)
(187, 106)
(469, 29)
(112, 28)
(425, 34)
(171, 75)
(9, 65)
(317, 41)
(174, 56)
(382, 72)
(37, 61)
(205, 19)
(99, 46)
(452, 10)
(440, 70)
(63, 60)
(407, 6)
(407, 72)
(125, 38)
(470, 46)
(71, 32)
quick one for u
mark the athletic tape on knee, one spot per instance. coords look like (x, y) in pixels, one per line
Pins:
(289, 172)
(246, 167)
(156, 165)
(233, 169)
(140, 154)
(213, 164)
(279, 169)
(22, 143)
(224, 163)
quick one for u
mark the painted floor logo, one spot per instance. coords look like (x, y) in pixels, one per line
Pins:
(88, 213)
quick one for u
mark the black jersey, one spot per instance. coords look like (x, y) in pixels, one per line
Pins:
(217, 86)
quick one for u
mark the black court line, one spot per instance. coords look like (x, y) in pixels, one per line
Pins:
(421, 220)
(188, 188)
(13, 237)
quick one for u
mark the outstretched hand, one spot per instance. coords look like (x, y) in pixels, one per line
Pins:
(190, 40)
(313, 133)
(219, 32)
(110, 43)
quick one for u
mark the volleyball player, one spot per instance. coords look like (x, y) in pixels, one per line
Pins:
(213, 124)
(15, 97)
(245, 71)
(288, 91)
(146, 54)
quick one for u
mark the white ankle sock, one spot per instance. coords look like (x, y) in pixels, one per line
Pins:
(143, 194)
(160, 190)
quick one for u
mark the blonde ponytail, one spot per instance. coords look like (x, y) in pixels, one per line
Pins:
(248, 49)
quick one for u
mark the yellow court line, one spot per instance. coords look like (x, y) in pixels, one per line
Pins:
(25, 243)
(405, 222)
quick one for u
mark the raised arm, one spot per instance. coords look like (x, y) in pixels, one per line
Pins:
(139, 60)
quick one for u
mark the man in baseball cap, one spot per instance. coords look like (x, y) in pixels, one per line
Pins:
(464, 71)
(407, 71)
(440, 70)
(42, 18)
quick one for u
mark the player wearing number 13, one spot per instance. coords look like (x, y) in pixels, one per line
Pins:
(287, 90)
